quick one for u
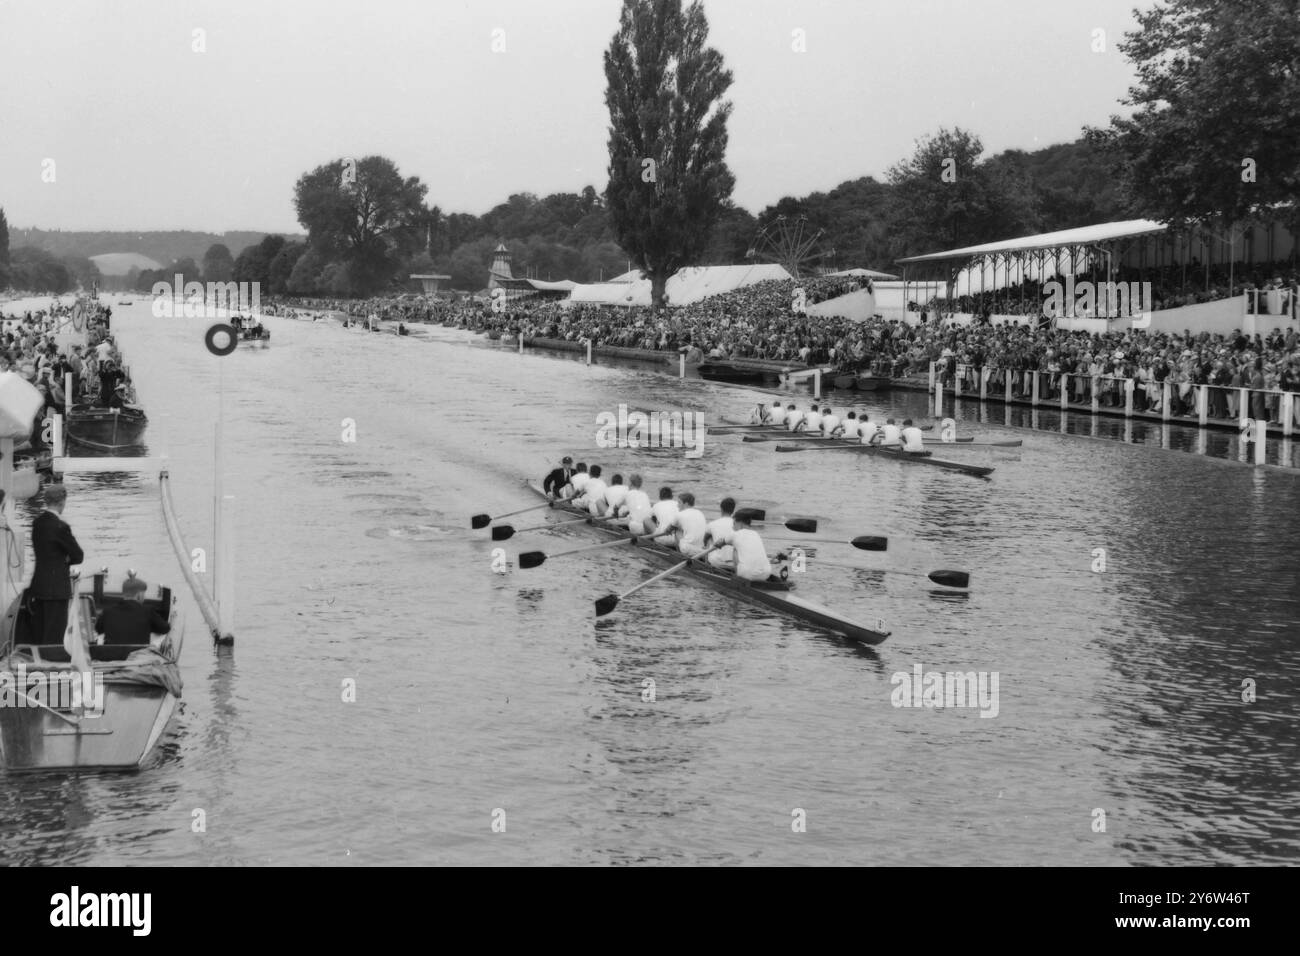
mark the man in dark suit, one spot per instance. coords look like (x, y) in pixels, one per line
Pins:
(129, 621)
(55, 549)
(559, 477)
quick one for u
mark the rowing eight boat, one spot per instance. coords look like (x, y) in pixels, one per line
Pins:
(897, 454)
(773, 596)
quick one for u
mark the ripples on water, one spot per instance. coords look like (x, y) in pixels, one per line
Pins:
(477, 691)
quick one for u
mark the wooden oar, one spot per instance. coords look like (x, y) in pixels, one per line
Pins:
(504, 532)
(948, 578)
(482, 521)
(863, 542)
(532, 559)
(758, 515)
(610, 601)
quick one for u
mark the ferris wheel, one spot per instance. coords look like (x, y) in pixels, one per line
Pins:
(792, 244)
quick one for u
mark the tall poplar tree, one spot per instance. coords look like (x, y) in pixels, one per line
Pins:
(668, 179)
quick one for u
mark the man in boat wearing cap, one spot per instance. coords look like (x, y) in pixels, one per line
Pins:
(56, 549)
(555, 481)
(130, 621)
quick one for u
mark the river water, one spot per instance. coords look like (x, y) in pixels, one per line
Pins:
(1121, 736)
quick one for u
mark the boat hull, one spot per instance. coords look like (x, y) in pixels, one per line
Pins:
(910, 458)
(781, 600)
(107, 428)
(736, 374)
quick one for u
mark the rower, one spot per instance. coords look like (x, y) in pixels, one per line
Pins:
(793, 417)
(891, 433)
(578, 481)
(664, 512)
(913, 440)
(812, 420)
(775, 416)
(751, 560)
(636, 506)
(555, 482)
(690, 526)
(758, 415)
(718, 530)
(868, 433)
(830, 422)
(593, 493)
(615, 495)
(848, 429)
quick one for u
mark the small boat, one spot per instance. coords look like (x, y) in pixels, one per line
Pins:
(106, 429)
(847, 380)
(54, 719)
(873, 383)
(775, 596)
(737, 374)
(897, 454)
(124, 302)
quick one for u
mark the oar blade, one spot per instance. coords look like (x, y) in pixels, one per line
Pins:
(606, 604)
(752, 514)
(503, 532)
(480, 521)
(804, 525)
(531, 559)
(870, 542)
(952, 579)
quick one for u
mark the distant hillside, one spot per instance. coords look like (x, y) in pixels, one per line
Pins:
(162, 247)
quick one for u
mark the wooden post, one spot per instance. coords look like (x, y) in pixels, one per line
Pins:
(1166, 392)
(1065, 391)
(938, 397)
(1006, 383)
(588, 351)
(931, 376)
(1286, 411)
(817, 385)
(1243, 403)
(681, 365)
(984, 383)
(1033, 391)
(1128, 401)
(1202, 405)
(1261, 438)
(67, 392)
(56, 436)
(1094, 385)
(521, 341)
(225, 566)
(956, 382)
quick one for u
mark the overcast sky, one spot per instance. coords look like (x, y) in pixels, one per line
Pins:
(146, 133)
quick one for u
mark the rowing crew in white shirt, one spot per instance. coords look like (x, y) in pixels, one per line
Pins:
(825, 422)
(677, 522)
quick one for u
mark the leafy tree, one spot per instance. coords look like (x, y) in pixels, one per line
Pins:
(4, 250)
(39, 271)
(218, 264)
(1216, 113)
(281, 266)
(254, 263)
(668, 178)
(370, 220)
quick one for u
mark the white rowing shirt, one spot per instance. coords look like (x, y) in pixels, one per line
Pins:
(892, 435)
(751, 556)
(693, 525)
(777, 415)
(812, 421)
(665, 512)
(718, 530)
(867, 431)
(637, 504)
(850, 429)
(792, 419)
(593, 496)
(913, 440)
(579, 482)
(615, 495)
(830, 423)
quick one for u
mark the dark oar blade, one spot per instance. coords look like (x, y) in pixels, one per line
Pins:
(870, 542)
(753, 514)
(503, 532)
(806, 525)
(480, 521)
(606, 604)
(953, 579)
(531, 559)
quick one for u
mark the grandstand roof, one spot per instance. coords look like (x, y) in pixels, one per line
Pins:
(685, 287)
(861, 274)
(1083, 236)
